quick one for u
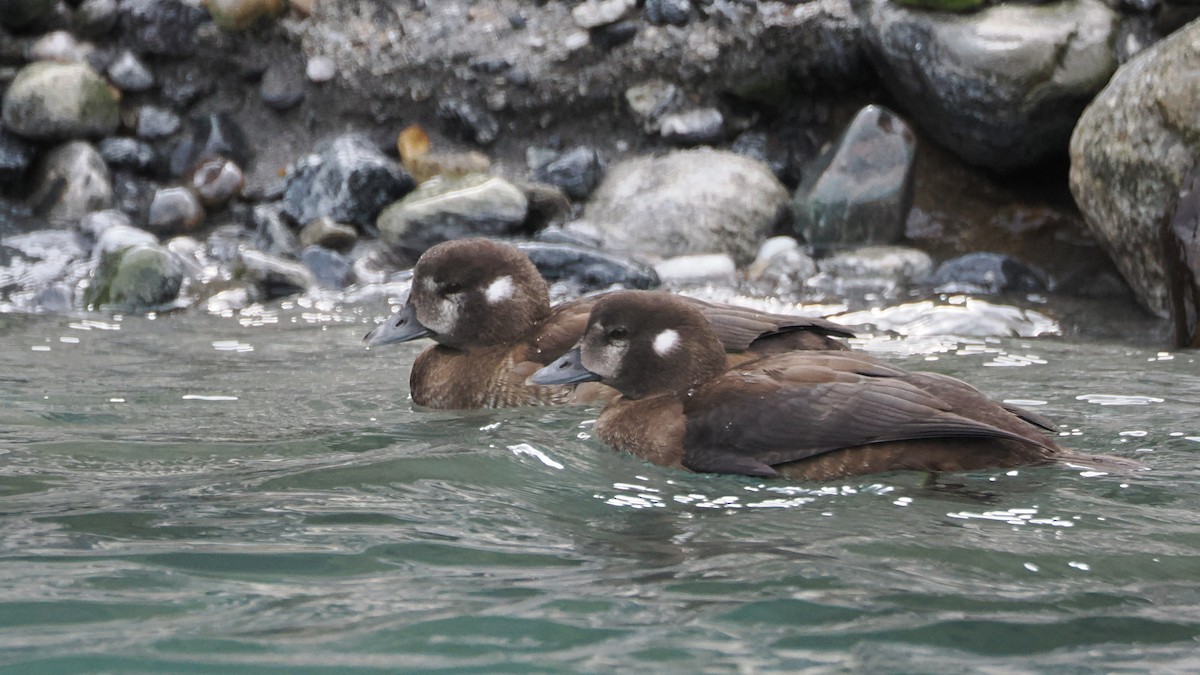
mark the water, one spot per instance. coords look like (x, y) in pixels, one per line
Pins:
(194, 493)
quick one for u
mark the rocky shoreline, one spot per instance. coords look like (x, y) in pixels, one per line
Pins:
(884, 160)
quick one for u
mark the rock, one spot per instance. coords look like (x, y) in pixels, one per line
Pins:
(320, 69)
(613, 35)
(154, 123)
(469, 121)
(281, 88)
(72, 181)
(781, 268)
(95, 18)
(445, 208)
(47, 244)
(674, 12)
(174, 210)
(216, 181)
(60, 46)
(871, 270)
(48, 101)
(274, 277)
(770, 151)
(1181, 248)
(348, 181)
(698, 270)
(239, 14)
(694, 127)
(651, 100)
(986, 274)
(859, 190)
(129, 73)
(118, 237)
(20, 13)
(594, 13)
(225, 242)
(692, 201)
(329, 234)
(329, 268)
(1002, 87)
(129, 153)
(16, 156)
(1129, 154)
(95, 224)
(587, 268)
(162, 27)
(138, 278)
(182, 88)
(959, 317)
(216, 135)
(271, 233)
(576, 172)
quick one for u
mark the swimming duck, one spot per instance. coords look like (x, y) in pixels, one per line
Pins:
(488, 310)
(815, 415)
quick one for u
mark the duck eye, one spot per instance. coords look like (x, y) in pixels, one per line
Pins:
(452, 288)
(617, 334)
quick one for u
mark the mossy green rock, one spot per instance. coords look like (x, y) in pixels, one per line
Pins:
(141, 277)
(60, 101)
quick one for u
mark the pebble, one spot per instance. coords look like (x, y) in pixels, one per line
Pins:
(154, 123)
(211, 136)
(95, 18)
(163, 27)
(281, 89)
(60, 46)
(470, 121)
(594, 13)
(129, 73)
(576, 172)
(320, 69)
(674, 12)
(693, 127)
(216, 180)
(328, 233)
(174, 210)
(273, 276)
(129, 153)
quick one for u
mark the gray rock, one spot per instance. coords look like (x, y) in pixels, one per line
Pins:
(47, 244)
(216, 181)
(650, 101)
(576, 171)
(715, 269)
(165, 27)
(349, 181)
(959, 317)
(48, 101)
(674, 12)
(61, 46)
(692, 201)
(19, 13)
(174, 210)
(154, 123)
(215, 135)
(271, 233)
(137, 278)
(693, 127)
(1129, 154)
(72, 181)
(95, 18)
(95, 224)
(595, 13)
(986, 274)
(320, 69)
(129, 73)
(328, 233)
(273, 277)
(16, 156)
(1001, 87)
(587, 268)
(871, 270)
(859, 190)
(129, 153)
(329, 268)
(469, 121)
(781, 268)
(445, 208)
(118, 237)
(282, 87)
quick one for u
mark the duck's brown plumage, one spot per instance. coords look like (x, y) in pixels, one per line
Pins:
(486, 349)
(802, 414)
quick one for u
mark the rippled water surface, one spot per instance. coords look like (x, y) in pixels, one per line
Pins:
(195, 493)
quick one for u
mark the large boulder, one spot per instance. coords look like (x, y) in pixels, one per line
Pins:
(72, 181)
(1129, 154)
(48, 101)
(137, 278)
(349, 181)
(693, 201)
(1002, 87)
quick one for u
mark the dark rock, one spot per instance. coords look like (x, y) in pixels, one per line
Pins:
(129, 73)
(20, 13)
(674, 12)
(281, 88)
(329, 234)
(132, 193)
(349, 181)
(274, 277)
(588, 268)
(163, 27)
(95, 18)
(559, 235)
(154, 123)
(182, 88)
(216, 181)
(576, 172)
(860, 190)
(1181, 246)
(770, 151)
(138, 278)
(331, 269)
(614, 34)
(473, 123)
(986, 274)
(271, 233)
(693, 127)
(215, 135)
(72, 181)
(49, 101)
(489, 65)
(447, 208)
(174, 210)
(16, 156)
(129, 153)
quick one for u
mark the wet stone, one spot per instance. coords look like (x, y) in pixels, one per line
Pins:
(271, 233)
(215, 135)
(274, 277)
(216, 181)
(174, 210)
(587, 268)
(330, 268)
(155, 123)
(60, 46)
(93, 225)
(129, 153)
(674, 12)
(593, 13)
(119, 236)
(349, 180)
(95, 18)
(576, 172)
(129, 73)
(59, 100)
(185, 87)
(164, 27)
(320, 69)
(226, 241)
(142, 277)
(328, 233)
(986, 274)
(16, 156)
(281, 88)
(880, 270)
(469, 121)
(614, 34)
(693, 127)
(716, 269)
(782, 268)
(73, 180)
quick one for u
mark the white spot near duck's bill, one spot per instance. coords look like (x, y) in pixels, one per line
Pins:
(665, 341)
(498, 290)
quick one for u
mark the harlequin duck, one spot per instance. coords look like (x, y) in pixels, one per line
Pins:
(488, 309)
(803, 414)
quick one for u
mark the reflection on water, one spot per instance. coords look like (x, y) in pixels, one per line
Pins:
(256, 491)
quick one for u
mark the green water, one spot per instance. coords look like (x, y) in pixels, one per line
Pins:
(202, 494)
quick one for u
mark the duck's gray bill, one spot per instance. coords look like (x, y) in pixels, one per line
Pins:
(400, 327)
(567, 369)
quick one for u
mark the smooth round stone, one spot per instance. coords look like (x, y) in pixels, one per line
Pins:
(328, 233)
(59, 46)
(95, 18)
(73, 181)
(274, 277)
(330, 268)
(595, 13)
(118, 236)
(281, 89)
(986, 273)
(164, 27)
(129, 73)
(210, 136)
(155, 123)
(320, 69)
(96, 223)
(128, 153)
(141, 277)
(694, 127)
(564, 258)
(576, 172)
(216, 181)
(717, 269)
(49, 101)
(674, 12)
(174, 210)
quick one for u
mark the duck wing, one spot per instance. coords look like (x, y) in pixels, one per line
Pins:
(801, 405)
(743, 329)
(560, 331)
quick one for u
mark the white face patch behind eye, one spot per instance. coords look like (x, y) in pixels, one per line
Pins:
(499, 290)
(665, 341)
